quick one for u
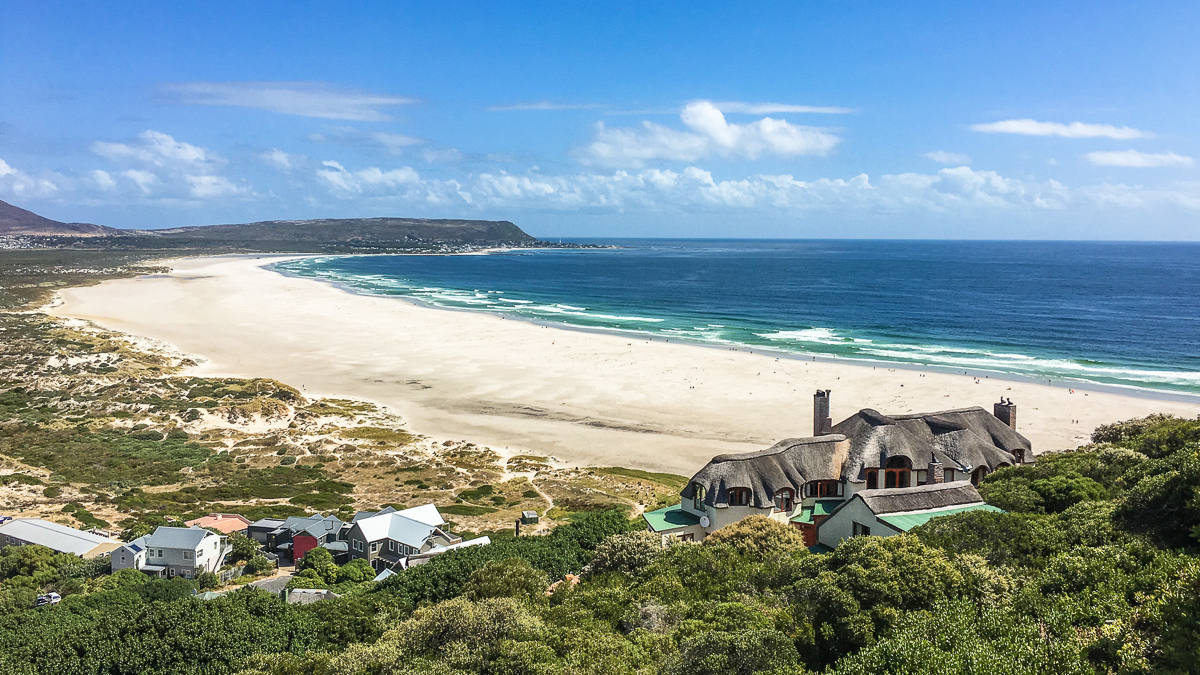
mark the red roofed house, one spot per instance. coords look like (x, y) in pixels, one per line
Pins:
(225, 523)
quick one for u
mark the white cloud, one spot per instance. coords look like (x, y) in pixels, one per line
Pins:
(369, 180)
(308, 99)
(1133, 158)
(544, 105)
(103, 180)
(1028, 127)
(943, 157)
(280, 159)
(16, 183)
(394, 144)
(144, 180)
(769, 108)
(158, 149)
(212, 186)
(710, 134)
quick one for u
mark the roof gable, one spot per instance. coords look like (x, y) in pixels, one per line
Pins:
(178, 537)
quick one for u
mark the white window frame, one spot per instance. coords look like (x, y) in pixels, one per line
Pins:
(187, 555)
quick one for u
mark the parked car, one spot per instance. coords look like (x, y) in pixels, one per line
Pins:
(48, 599)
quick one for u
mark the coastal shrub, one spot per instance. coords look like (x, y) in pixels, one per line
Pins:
(466, 510)
(758, 536)
(355, 571)
(1060, 492)
(258, 564)
(509, 578)
(628, 553)
(52, 492)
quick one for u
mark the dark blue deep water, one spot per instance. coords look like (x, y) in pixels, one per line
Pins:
(1113, 313)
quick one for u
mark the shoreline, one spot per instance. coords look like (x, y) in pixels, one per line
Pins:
(1081, 385)
(520, 387)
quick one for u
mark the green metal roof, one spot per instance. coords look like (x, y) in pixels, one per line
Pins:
(669, 518)
(823, 507)
(906, 521)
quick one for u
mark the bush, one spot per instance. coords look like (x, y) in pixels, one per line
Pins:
(355, 571)
(1060, 492)
(52, 492)
(758, 536)
(207, 581)
(257, 565)
(511, 578)
(629, 553)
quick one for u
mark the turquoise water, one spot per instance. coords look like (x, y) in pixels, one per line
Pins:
(1122, 314)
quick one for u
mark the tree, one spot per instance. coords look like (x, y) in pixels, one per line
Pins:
(258, 564)
(320, 561)
(207, 581)
(244, 548)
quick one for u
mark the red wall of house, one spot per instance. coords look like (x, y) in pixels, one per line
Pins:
(302, 544)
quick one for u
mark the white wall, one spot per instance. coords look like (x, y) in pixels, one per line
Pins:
(840, 525)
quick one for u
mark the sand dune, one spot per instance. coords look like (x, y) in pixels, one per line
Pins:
(520, 388)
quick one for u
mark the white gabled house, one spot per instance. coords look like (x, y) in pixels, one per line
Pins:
(173, 551)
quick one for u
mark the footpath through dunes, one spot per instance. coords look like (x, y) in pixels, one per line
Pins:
(583, 398)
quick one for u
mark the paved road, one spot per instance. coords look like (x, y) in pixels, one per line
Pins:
(274, 584)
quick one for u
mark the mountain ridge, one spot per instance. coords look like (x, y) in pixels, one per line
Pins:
(381, 233)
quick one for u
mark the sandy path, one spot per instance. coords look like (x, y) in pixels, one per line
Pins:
(583, 398)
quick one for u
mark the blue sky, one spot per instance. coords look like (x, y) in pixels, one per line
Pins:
(785, 119)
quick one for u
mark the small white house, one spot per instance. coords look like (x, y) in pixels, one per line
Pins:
(173, 551)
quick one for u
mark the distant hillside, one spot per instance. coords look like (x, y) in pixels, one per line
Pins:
(351, 230)
(328, 235)
(17, 222)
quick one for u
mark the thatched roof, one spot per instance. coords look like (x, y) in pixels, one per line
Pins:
(959, 439)
(789, 463)
(920, 498)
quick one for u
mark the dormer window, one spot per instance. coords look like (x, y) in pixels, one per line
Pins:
(896, 473)
(824, 489)
(739, 496)
(785, 498)
(697, 496)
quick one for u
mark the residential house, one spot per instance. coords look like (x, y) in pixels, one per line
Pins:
(887, 512)
(173, 551)
(296, 535)
(260, 530)
(388, 538)
(225, 523)
(802, 481)
(61, 538)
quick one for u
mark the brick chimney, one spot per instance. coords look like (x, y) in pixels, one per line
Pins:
(1006, 411)
(936, 473)
(821, 420)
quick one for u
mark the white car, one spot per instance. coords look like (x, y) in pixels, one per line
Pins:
(48, 599)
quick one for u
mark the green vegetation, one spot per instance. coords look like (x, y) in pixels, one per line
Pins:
(1085, 579)
(673, 481)
(466, 510)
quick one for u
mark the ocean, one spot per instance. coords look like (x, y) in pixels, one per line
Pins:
(1117, 314)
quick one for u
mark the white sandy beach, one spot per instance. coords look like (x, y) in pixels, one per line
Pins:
(583, 398)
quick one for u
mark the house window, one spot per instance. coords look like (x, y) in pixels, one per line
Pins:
(922, 477)
(374, 546)
(122, 559)
(897, 471)
(187, 555)
(861, 530)
(978, 474)
(784, 499)
(391, 546)
(687, 537)
(739, 496)
(698, 497)
(872, 479)
(948, 475)
(822, 489)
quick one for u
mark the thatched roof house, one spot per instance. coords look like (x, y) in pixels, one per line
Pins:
(787, 464)
(908, 460)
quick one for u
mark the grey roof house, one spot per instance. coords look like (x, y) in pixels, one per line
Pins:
(802, 481)
(386, 539)
(173, 551)
(27, 531)
(890, 511)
